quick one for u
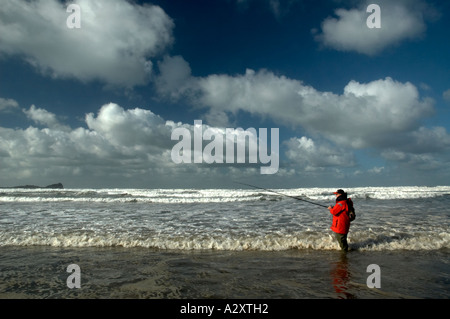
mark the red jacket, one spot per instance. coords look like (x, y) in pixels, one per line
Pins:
(341, 221)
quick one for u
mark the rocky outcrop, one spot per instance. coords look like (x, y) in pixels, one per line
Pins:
(57, 185)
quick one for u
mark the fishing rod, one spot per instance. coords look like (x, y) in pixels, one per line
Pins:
(294, 197)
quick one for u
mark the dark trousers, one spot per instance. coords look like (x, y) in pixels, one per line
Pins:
(342, 240)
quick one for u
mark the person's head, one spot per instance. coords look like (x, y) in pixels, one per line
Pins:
(339, 192)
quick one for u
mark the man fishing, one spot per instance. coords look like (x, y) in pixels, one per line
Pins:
(343, 213)
(341, 220)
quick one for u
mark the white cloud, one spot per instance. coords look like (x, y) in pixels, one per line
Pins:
(174, 75)
(130, 130)
(117, 145)
(385, 115)
(218, 119)
(115, 43)
(365, 115)
(379, 110)
(446, 95)
(424, 148)
(133, 147)
(309, 155)
(425, 162)
(428, 140)
(8, 104)
(376, 170)
(44, 117)
(400, 20)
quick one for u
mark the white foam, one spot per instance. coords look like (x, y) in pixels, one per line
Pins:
(211, 195)
(385, 193)
(271, 242)
(127, 195)
(249, 219)
(412, 241)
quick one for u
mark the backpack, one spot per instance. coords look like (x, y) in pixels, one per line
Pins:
(351, 210)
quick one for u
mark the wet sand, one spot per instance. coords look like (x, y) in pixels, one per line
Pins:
(122, 273)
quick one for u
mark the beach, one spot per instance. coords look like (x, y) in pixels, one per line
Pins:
(40, 272)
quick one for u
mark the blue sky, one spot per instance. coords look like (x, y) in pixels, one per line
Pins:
(95, 106)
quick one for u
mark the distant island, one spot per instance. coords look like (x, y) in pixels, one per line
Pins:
(57, 185)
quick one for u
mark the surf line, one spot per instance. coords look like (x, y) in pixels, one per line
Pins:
(294, 197)
(226, 140)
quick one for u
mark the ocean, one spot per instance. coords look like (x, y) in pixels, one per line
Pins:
(222, 244)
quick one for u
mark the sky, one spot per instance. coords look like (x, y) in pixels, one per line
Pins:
(112, 93)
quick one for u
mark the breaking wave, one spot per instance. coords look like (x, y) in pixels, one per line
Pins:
(388, 218)
(361, 241)
(212, 195)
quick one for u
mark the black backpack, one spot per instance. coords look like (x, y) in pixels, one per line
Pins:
(351, 210)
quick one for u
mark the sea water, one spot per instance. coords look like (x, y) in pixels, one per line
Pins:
(222, 243)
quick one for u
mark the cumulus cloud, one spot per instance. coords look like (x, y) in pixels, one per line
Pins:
(365, 115)
(45, 118)
(383, 114)
(8, 104)
(136, 129)
(122, 145)
(119, 144)
(310, 156)
(400, 20)
(428, 140)
(115, 43)
(424, 149)
(174, 76)
(425, 162)
(116, 143)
